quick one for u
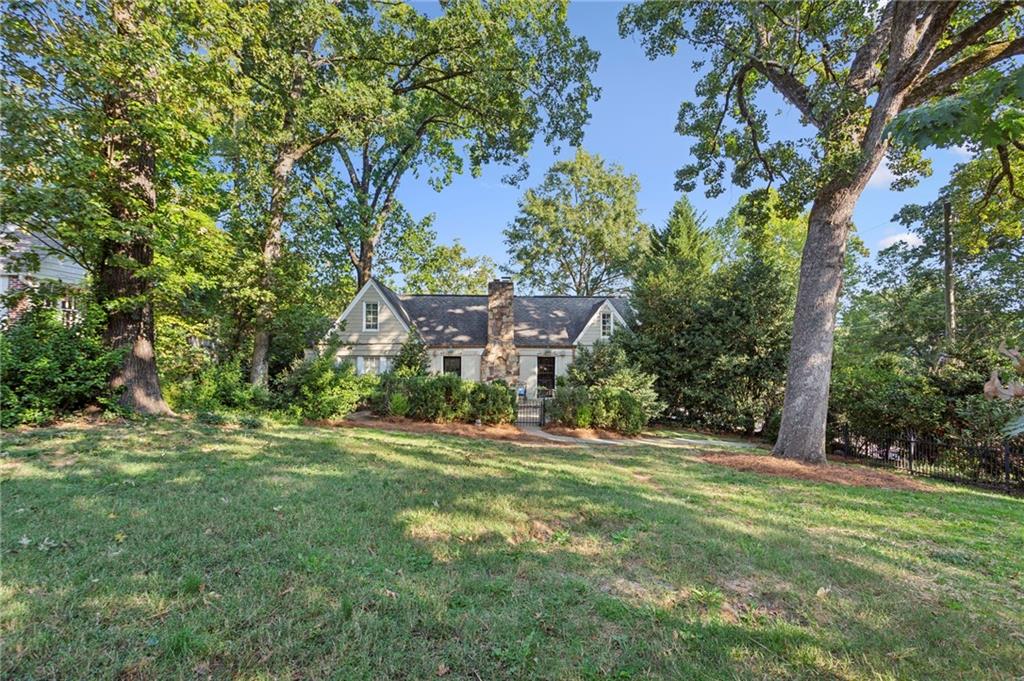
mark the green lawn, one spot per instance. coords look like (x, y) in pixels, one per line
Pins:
(169, 550)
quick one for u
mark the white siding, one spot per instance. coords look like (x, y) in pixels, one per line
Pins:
(470, 361)
(52, 266)
(592, 332)
(386, 341)
(528, 365)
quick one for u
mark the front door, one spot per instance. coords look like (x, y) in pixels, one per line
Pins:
(545, 376)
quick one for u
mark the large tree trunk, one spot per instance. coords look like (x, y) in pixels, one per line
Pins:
(364, 265)
(130, 327)
(259, 371)
(124, 287)
(805, 410)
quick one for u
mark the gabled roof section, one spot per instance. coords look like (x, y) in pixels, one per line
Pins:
(540, 321)
(619, 312)
(389, 297)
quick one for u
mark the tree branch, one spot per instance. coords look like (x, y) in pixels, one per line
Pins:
(864, 70)
(972, 34)
(945, 81)
(788, 86)
(741, 101)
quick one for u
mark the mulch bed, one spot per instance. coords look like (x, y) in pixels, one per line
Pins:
(585, 433)
(502, 433)
(841, 474)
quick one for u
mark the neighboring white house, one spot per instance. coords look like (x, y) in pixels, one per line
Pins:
(52, 267)
(525, 340)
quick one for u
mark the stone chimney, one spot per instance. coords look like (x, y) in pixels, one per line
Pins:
(500, 361)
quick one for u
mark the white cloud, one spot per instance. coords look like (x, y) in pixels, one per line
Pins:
(963, 151)
(906, 237)
(883, 177)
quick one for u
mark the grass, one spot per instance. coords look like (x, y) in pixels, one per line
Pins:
(170, 550)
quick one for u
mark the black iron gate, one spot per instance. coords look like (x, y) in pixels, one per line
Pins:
(529, 412)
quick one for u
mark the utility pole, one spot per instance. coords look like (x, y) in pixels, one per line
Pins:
(948, 274)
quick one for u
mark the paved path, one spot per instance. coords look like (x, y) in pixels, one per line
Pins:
(674, 442)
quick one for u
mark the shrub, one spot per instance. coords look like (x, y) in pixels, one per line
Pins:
(399, 404)
(320, 389)
(412, 358)
(886, 393)
(571, 407)
(492, 403)
(985, 420)
(388, 385)
(216, 386)
(630, 418)
(606, 365)
(47, 369)
(439, 399)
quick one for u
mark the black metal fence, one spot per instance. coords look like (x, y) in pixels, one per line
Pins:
(992, 464)
(529, 412)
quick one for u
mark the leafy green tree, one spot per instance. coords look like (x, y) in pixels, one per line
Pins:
(293, 94)
(714, 330)
(108, 111)
(363, 94)
(470, 86)
(579, 232)
(848, 69)
(684, 236)
(446, 268)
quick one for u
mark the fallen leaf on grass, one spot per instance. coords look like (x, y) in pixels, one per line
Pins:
(442, 669)
(120, 537)
(823, 592)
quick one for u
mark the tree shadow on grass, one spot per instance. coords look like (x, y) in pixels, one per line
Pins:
(355, 554)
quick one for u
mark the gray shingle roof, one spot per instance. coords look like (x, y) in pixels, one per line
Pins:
(541, 321)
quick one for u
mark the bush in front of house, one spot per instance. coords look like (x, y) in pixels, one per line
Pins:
(602, 390)
(319, 388)
(443, 399)
(48, 370)
(571, 407)
(439, 399)
(492, 403)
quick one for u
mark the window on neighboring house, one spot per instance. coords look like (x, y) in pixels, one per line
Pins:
(606, 324)
(452, 365)
(371, 319)
(545, 374)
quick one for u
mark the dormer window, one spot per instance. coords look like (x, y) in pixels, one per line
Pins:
(371, 319)
(606, 324)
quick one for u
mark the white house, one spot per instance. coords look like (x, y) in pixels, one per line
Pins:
(525, 340)
(52, 267)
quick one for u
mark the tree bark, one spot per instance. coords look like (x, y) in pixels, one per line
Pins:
(259, 371)
(947, 271)
(123, 285)
(805, 409)
(130, 324)
(364, 265)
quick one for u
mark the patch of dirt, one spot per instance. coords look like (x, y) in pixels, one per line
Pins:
(585, 433)
(840, 474)
(503, 432)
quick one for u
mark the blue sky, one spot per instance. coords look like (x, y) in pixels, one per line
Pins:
(633, 124)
